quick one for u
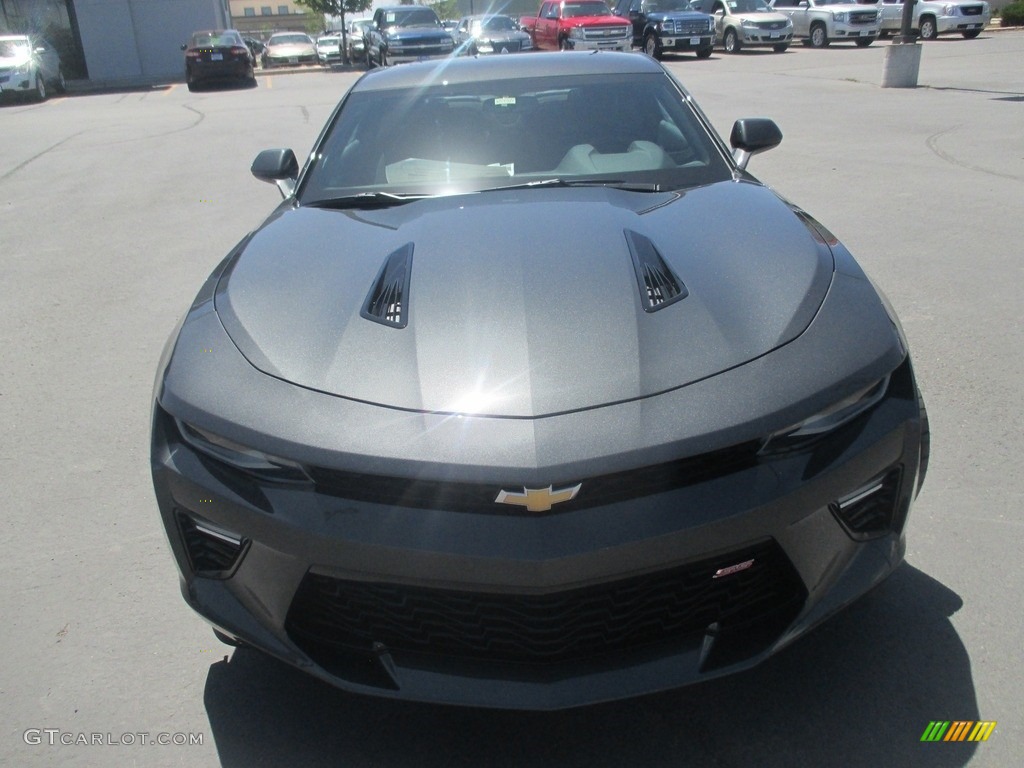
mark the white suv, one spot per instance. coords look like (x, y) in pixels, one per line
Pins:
(820, 22)
(937, 17)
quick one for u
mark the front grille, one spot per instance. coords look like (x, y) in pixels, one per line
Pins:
(682, 27)
(771, 25)
(605, 33)
(863, 17)
(479, 497)
(747, 610)
(971, 10)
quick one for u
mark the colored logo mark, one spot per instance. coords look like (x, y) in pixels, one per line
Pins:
(958, 730)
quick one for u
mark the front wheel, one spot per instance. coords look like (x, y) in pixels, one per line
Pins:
(651, 47)
(384, 58)
(971, 34)
(780, 48)
(928, 29)
(40, 89)
(864, 42)
(563, 44)
(819, 37)
(731, 41)
(704, 53)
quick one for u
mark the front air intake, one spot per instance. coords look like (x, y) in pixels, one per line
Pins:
(658, 285)
(388, 300)
(212, 551)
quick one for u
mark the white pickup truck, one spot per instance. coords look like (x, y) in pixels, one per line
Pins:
(937, 17)
(820, 22)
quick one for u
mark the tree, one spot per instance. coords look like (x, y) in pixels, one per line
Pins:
(338, 8)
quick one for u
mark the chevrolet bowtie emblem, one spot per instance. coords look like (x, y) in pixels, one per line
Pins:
(538, 499)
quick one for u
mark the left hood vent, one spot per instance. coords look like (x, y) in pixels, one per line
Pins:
(388, 300)
(658, 284)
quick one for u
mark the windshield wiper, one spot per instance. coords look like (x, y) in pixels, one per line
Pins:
(631, 186)
(365, 200)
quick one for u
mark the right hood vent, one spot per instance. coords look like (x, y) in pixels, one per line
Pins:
(658, 284)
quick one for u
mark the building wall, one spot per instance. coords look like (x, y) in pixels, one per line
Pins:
(140, 40)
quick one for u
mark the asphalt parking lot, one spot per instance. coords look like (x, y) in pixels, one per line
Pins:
(116, 205)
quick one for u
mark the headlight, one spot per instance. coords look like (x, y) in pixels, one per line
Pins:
(240, 456)
(748, 24)
(828, 419)
(23, 69)
(485, 45)
(665, 26)
(839, 16)
(949, 10)
(576, 33)
(711, 24)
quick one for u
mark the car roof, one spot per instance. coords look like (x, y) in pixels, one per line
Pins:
(541, 64)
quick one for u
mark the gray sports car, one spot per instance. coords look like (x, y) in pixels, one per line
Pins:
(529, 395)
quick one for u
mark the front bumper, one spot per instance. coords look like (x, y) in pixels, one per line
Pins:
(614, 44)
(18, 80)
(751, 36)
(855, 31)
(381, 579)
(946, 24)
(687, 42)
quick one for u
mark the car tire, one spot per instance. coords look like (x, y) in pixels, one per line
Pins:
(651, 47)
(384, 59)
(731, 41)
(929, 31)
(971, 34)
(39, 92)
(819, 36)
(563, 44)
(883, 34)
(864, 42)
(705, 53)
(781, 47)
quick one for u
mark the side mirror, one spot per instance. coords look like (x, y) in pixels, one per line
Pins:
(277, 166)
(752, 135)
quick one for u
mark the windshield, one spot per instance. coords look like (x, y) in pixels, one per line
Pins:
(439, 139)
(749, 6)
(212, 40)
(495, 24)
(295, 39)
(662, 6)
(572, 10)
(417, 17)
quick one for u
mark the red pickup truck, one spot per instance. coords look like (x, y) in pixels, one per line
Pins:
(580, 25)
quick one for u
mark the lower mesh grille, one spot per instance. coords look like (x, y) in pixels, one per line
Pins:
(674, 606)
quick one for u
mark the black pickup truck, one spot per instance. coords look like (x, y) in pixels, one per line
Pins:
(672, 26)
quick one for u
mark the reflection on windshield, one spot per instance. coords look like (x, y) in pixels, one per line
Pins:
(572, 10)
(11, 48)
(749, 6)
(440, 139)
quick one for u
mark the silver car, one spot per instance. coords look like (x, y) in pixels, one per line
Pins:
(29, 66)
(289, 48)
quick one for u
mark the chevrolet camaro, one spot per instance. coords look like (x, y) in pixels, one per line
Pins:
(528, 395)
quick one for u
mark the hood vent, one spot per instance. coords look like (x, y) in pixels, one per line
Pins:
(388, 300)
(658, 284)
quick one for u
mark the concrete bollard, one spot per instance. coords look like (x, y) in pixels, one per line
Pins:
(902, 63)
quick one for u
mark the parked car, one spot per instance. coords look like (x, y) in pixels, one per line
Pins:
(937, 17)
(490, 33)
(217, 54)
(255, 47)
(530, 395)
(668, 26)
(403, 33)
(29, 66)
(328, 49)
(748, 23)
(289, 49)
(820, 22)
(355, 39)
(576, 25)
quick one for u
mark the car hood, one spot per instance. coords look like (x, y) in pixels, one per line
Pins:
(416, 33)
(524, 303)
